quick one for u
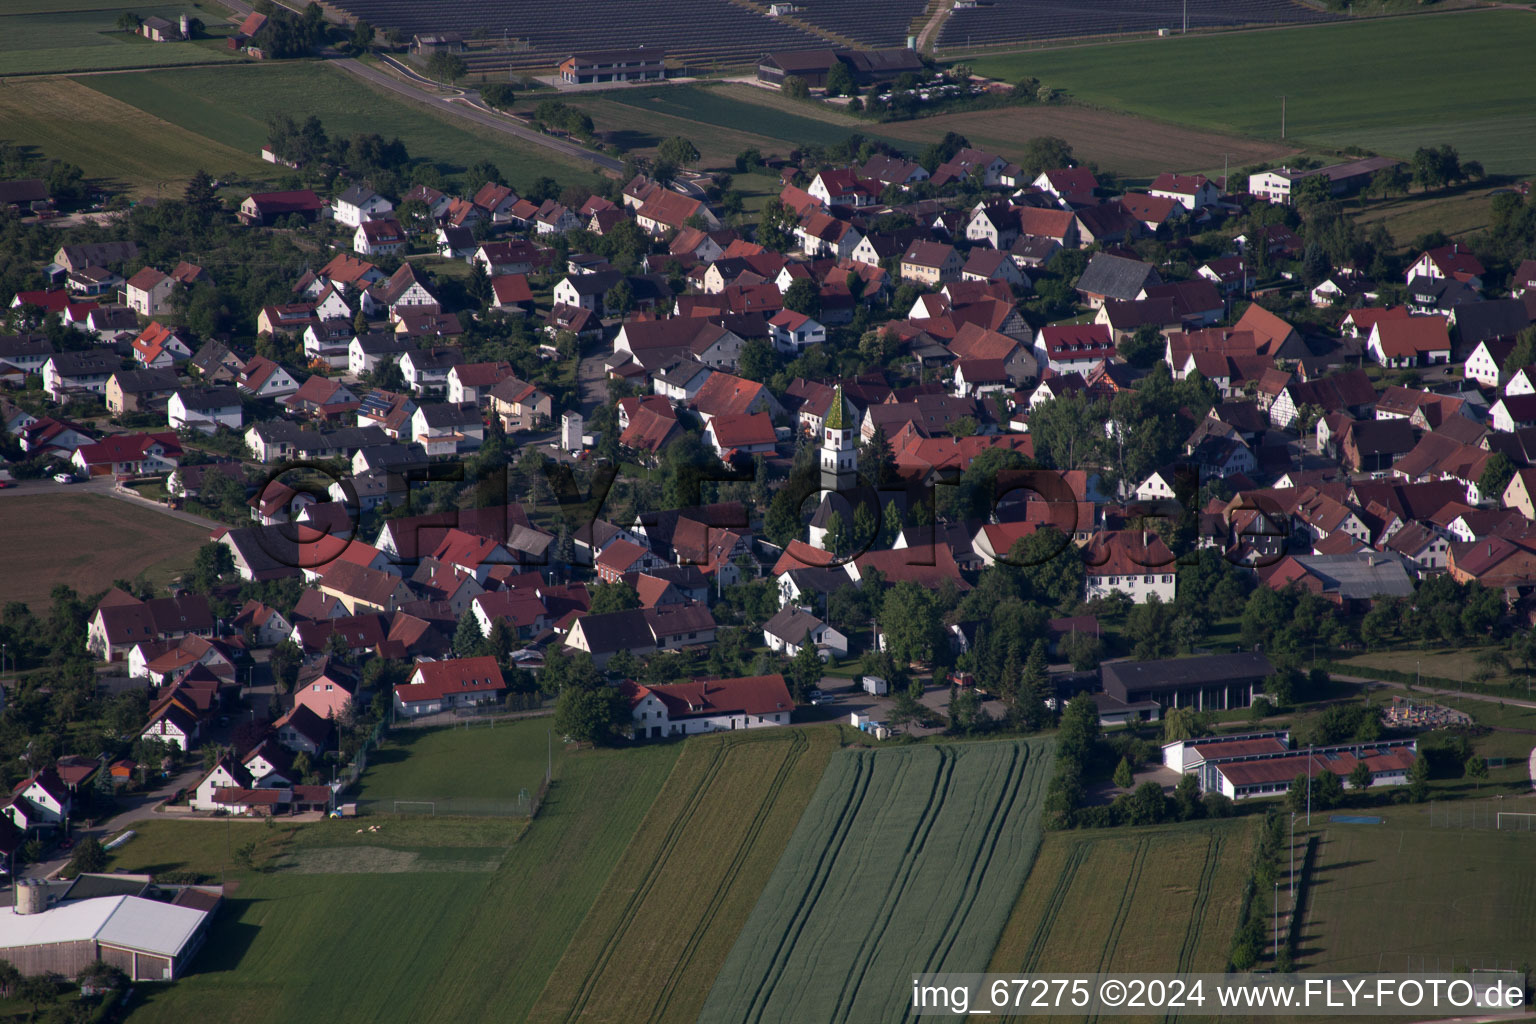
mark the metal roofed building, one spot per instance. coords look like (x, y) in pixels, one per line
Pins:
(1214, 681)
(149, 940)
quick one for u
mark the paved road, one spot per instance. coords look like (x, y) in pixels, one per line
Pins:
(137, 808)
(1487, 698)
(469, 108)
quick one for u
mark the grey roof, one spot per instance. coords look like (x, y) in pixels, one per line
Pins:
(378, 343)
(436, 358)
(209, 398)
(1492, 320)
(681, 372)
(72, 363)
(1115, 276)
(791, 624)
(24, 345)
(447, 414)
(595, 284)
(136, 382)
(357, 195)
(1121, 677)
(1360, 576)
(1440, 292)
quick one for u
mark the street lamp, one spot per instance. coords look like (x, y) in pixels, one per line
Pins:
(1277, 920)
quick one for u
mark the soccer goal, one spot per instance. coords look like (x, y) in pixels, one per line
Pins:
(428, 807)
(1519, 821)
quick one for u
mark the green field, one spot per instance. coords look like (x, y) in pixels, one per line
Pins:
(114, 144)
(445, 940)
(1402, 896)
(41, 38)
(1138, 900)
(657, 935)
(722, 120)
(230, 106)
(1388, 85)
(479, 769)
(906, 861)
(107, 539)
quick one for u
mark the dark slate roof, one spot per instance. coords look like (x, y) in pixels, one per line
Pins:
(1115, 276)
(1120, 677)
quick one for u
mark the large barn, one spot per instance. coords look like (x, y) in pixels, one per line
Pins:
(1214, 682)
(149, 933)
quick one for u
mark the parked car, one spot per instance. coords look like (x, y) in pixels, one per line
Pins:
(64, 478)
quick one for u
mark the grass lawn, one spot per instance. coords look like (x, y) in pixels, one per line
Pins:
(465, 765)
(1353, 91)
(1460, 213)
(720, 120)
(394, 943)
(83, 36)
(106, 540)
(1458, 664)
(1450, 895)
(907, 860)
(1148, 899)
(112, 142)
(655, 939)
(231, 105)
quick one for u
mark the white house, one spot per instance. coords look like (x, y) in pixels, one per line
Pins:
(1191, 191)
(359, 204)
(1483, 366)
(712, 705)
(786, 631)
(227, 774)
(1137, 567)
(792, 332)
(443, 685)
(379, 238)
(205, 409)
(148, 292)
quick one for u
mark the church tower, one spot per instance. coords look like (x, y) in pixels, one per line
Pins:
(839, 457)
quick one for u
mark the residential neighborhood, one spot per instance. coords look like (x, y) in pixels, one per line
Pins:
(534, 499)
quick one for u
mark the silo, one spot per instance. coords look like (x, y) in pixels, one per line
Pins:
(31, 896)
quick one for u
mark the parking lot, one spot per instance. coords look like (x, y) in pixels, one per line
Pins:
(846, 697)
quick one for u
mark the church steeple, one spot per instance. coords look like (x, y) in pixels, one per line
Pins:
(839, 456)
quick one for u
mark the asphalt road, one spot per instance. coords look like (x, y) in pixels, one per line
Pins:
(468, 107)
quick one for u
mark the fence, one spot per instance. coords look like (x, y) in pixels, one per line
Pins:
(354, 771)
(524, 805)
(1491, 815)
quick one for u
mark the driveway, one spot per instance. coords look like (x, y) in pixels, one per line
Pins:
(132, 809)
(469, 107)
(848, 697)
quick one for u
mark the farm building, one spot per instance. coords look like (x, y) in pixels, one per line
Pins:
(1276, 186)
(1251, 764)
(1388, 762)
(637, 65)
(708, 705)
(148, 939)
(1215, 681)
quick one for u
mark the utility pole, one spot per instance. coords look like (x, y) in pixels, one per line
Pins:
(1282, 115)
(1293, 861)
(549, 768)
(1277, 919)
(1309, 787)
(1186, 17)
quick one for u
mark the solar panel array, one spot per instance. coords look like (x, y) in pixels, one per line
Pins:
(875, 25)
(1009, 21)
(542, 32)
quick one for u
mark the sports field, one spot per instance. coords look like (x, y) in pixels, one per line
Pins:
(907, 860)
(230, 106)
(655, 939)
(87, 541)
(1463, 76)
(479, 769)
(1149, 899)
(1402, 896)
(446, 940)
(82, 35)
